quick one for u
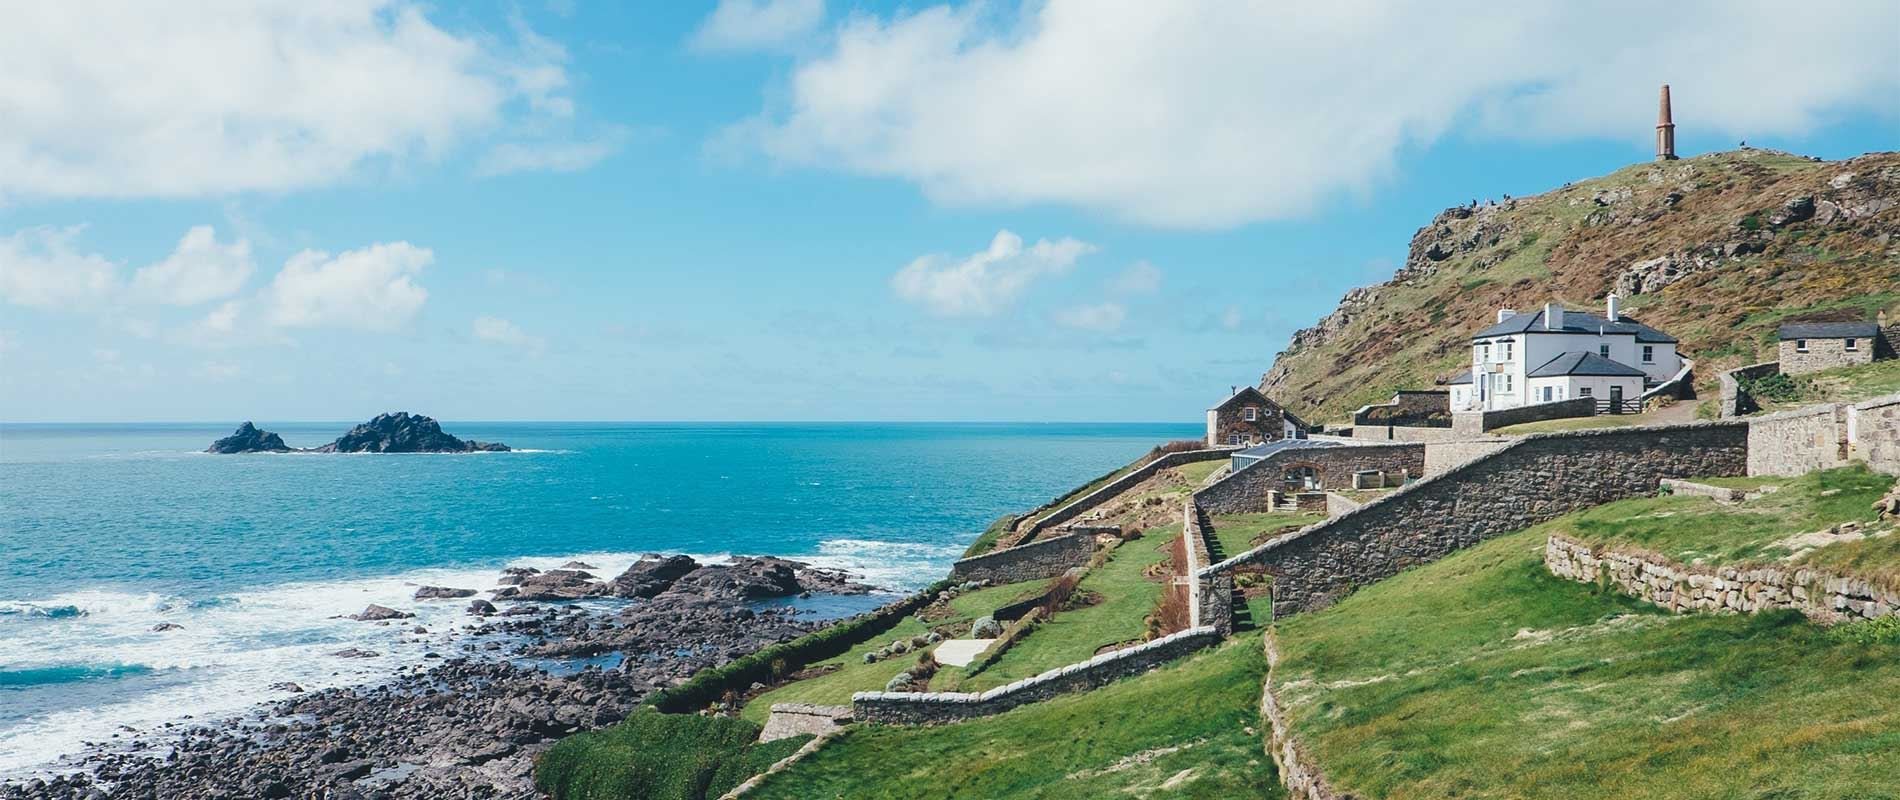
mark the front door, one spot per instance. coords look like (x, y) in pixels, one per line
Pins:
(1616, 399)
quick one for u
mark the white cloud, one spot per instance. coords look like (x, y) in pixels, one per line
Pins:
(372, 289)
(108, 99)
(221, 320)
(1140, 277)
(40, 267)
(1101, 317)
(197, 271)
(986, 282)
(1231, 319)
(503, 332)
(1210, 114)
(560, 155)
(759, 24)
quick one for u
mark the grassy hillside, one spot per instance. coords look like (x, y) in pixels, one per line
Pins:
(1718, 250)
(1482, 676)
(1188, 730)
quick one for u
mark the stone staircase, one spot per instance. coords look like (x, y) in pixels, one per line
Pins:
(1243, 619)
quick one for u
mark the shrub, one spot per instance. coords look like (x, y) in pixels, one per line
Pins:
(1772, 387)
(1885, 630)
(659, 756)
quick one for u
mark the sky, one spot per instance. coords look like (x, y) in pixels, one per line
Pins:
(1071, 210)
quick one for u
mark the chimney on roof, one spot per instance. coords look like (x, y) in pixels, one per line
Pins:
(1665, 129)
(1553, 317)
(1506, 313)
(1613, 310)
(1232, 390)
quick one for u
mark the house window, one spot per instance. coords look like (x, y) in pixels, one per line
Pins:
(1801, 345)
(1584, 391)
(1252, 413)
(1548, 394)
(1233, 438)
(1853, 345)
(1603, 350)
(1649, 354)
(1507, 350)
(1484, 353)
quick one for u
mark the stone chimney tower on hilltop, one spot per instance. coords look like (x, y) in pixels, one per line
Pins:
(1665, 130)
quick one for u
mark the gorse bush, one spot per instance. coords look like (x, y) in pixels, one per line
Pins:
(1772, 387)
(656, 756)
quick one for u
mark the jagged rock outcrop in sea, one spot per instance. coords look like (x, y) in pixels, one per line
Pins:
(403, 432)
(249, 439)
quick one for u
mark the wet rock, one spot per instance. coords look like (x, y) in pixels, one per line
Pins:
(403, 432)
(375, 613)
(167, 626)
(442, 592)
(481, 608)
(652, 575)
(249, 439)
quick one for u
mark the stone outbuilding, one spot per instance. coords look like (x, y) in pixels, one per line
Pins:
(1814, 346)
(1249, 417)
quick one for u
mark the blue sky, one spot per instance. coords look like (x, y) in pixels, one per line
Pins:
(799, 210)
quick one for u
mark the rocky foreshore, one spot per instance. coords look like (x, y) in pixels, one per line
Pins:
(470, 724)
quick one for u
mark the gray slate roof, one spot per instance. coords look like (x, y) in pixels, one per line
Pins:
(1264, 450)
(1574, 322)
(1459, 379)
(1577, 362)
(1829, 330)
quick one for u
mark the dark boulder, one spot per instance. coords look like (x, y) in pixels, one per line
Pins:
(442, 593)
(375, 613)
(651, 575)
(555, 584)
(249, 439)
(746, 578)
(480, 607)
(403, 432)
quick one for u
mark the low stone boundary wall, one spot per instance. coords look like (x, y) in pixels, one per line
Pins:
(1477, 423)
(1210, 597)
(795, 719)
(1797, 442)
(1822, 596)
(1298, 772)
(1404, 433)
(1027, 562)
(1245, 491)
(927, 708)
(779, 766)
(1736, 401)
(1534, 479)
(1108, 491)
(1337, 504)
(1408, 408)
(1721, 494)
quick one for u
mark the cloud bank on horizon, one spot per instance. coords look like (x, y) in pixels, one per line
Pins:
(1216, 114)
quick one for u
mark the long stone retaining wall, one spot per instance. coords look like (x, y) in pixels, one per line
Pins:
(1299, 773)
(1044, 559)
(1534, 479)
(1404, 433)
(927, 708)
(1822, 596)
(1826, 436)
(1210, 597)
(1444, 456)
(1245, 491)
(1110, 490)
(1873, 433)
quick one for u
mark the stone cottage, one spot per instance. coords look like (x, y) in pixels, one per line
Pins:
(1814, 346)
(1249, 417)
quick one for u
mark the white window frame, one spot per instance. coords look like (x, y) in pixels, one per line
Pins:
(1603, 350)
(1585, 391)
(1509, 347)
(1484, 352)
(1801, 345)
(1233, 438)
(1649, 354)
(1853, 344)
(1252, 414)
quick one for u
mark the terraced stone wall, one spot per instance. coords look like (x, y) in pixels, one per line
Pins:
(1245, 491)
(1822, 596)
(1041, 559)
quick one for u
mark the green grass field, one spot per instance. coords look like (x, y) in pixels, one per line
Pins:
(1693, 529)
(1482, 676)
(1127, 596)
(1187, 730)
(1238, 533)
(1841, 385)
(659, 757)
(1197, 472)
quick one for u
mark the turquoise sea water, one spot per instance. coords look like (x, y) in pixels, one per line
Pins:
(106, 531)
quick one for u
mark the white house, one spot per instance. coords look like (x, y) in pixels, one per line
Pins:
(1556, 354)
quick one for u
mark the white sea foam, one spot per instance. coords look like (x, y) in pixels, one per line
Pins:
(232, 648)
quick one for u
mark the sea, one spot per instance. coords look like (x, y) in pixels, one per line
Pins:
(107, 531)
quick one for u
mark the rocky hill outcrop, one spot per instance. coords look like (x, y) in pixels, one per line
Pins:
(403, 432)
(1717, 250)
(249, 439)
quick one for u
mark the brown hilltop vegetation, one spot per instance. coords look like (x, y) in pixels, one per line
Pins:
(1717, 250)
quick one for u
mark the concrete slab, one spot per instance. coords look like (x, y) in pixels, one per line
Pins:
(960, 652)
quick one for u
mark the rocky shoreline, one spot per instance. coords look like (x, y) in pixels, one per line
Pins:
(469, 723)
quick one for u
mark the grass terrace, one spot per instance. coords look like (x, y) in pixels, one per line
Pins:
(1789, 526)
(1482, 676)
(1187, 730)
(832, 680)
(1238, 533)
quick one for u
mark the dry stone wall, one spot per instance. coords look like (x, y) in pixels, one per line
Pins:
(1476, 423)
(1444, 456)
(1798, 442)
(796, 719)
(1108, 491)
(1044, 559)
(1535, 479)
(1401, 433)
(929, 708)
(1245, 491)
(1822, 596)
(1874, 433)
(1299, 773)
(1736, 401)
(1210, 597)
